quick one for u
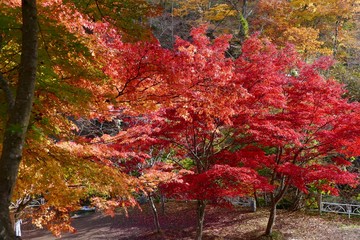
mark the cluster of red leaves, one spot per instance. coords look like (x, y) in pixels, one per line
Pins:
(223, 114)
(266, 110)
(216, 183)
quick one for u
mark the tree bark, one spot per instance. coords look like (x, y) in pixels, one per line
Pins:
(162, 199)
(275, 199)
(299, 201)
(156, 216)
(335, 42)
(256, 198)
(271, 220)
(244, 25)
(244, 7)
(200, 218)
(18, 119)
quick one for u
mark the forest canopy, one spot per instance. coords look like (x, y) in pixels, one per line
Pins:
(102, 101)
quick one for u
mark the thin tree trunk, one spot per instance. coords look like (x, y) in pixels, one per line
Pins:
(299, 201)
(19, 116)
(200, 218)
(271, 220)
(156, 216)
(275, 199)
(244, 24)
(172, 23)
(335, 42)
(256, 198)
(266, 199)
(244, 8)
(162, 198)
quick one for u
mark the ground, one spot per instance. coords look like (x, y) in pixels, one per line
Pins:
(220, 223)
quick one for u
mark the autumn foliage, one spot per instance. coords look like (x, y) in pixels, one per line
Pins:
(265, 111)
(222, 126)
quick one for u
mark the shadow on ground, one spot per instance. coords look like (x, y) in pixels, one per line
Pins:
(179, 221)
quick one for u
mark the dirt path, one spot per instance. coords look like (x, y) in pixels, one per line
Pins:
(220, 223)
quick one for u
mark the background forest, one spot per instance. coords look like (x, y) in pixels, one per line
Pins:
(104, 101)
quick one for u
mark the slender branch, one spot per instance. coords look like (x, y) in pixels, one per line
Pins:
(128, 81)
(21, 205)
(224, 138)
(177, 162)
(195, 145)
(282, 191)
(188, 148)
(98, 8)
(9, 95)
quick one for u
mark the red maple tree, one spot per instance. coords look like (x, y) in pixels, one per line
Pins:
(265, 110)
(309, 129)
(226, 119)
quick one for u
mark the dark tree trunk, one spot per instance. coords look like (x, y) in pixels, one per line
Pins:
(275, 199)
(19, 116)
(276, 196)
(155, 214)
(271, 220)
(336, 42)
(200, 218)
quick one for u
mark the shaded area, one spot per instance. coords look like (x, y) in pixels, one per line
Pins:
(179, 222)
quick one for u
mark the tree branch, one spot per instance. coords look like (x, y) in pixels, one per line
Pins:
(8, 94)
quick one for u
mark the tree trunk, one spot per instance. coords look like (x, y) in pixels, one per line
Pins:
(156, 216)
(19, 115)
(244, 24)
(299, 202)
(244, 8)
(266, 199)
(335, 42)
(271, 220)
(256, 198)
(200, 218)
(275, 199)
(162, 198)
